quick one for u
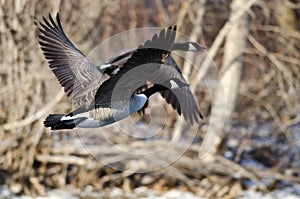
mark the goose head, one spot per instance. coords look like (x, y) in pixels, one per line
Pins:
(174, 83)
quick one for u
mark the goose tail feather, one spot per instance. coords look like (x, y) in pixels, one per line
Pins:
(54, 121)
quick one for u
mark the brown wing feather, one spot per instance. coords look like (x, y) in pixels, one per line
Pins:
(79, 77)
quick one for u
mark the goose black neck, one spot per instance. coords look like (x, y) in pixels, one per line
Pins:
(154, 89)
(180, 46)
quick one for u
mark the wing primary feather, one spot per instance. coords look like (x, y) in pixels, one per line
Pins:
(70, 66)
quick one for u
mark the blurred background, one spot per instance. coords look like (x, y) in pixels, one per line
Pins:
(250, 143)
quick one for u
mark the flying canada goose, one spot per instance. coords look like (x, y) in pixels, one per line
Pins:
(101, 102)
(112, 66)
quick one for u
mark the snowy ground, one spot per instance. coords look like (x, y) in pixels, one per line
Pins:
(288, 191)
(143, 192)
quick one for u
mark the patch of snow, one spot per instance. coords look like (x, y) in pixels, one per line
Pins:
(145, 193)
(175, 193)
(116, 192)
(287, 193)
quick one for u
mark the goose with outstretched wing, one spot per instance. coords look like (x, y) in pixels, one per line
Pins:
(168, 70)
(98, 105)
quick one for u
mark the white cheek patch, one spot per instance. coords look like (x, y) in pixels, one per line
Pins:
(173, 84)
(104, 66)
(192, 47)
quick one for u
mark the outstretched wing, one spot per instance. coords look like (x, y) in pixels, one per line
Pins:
(181, 99)
(79, 76)
(138, 68)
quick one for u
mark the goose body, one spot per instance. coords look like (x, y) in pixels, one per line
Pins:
(100, 101)
(98, 116)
